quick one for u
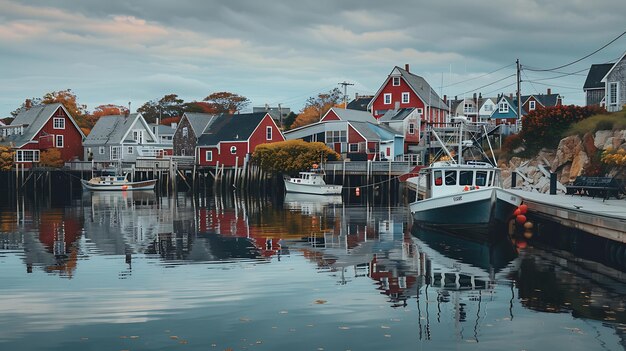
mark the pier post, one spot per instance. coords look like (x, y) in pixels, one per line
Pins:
(552, 183)
(513, 179)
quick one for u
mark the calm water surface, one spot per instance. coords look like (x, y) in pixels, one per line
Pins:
(142, 272)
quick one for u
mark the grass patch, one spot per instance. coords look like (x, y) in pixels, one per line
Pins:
(608, 121)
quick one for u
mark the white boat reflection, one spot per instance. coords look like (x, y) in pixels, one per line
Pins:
(310, 203)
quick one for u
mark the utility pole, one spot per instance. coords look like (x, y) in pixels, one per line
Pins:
(519, 93)
(280, 112)
(345, 93)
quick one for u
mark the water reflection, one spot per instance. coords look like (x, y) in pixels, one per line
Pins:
(139, 258)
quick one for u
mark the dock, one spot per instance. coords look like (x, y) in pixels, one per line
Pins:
(603, 218)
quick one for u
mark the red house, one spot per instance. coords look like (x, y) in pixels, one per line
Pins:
(39, 128)
(231, 138)
(403, 89)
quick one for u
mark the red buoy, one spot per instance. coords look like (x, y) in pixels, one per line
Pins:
(517, 212)
(523, 208)
(521, 219)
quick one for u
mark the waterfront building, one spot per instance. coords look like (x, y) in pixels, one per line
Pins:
(405, 121)
(39, 128)
(189, 130)
(606, 85)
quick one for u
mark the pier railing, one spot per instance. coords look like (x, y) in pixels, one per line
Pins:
(368, 167)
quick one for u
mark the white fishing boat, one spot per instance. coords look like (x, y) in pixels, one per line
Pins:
(459, 195)
(116, 183)
(311, 183)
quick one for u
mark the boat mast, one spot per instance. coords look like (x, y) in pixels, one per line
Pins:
(460, 142)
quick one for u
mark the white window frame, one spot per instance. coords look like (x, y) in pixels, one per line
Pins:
(185, 132)
(395, 81)
(129, 150)
(58, 123)
(208, 156)
(420, 111)
(57, 138)
(116, 153)
(101, 150)
(406, 97)
(387, 98)
(411, 128)
(609, 96)
(19, 155)
(233, 149)
(503, 107)
(268, 133)
(353, 147)
(532, 105)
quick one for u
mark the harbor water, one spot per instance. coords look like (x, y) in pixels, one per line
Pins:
(140, 271)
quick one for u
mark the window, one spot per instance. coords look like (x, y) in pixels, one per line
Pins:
(468, 108)
(503, 107)
(420, 111)
(138, 136)
(396, 81)
(405, 98)
(27, 156)
(185, 132)
(268, 133)
(354, 148)
(387, 98)
(438, 178)
(233, 150)
(59, 141)
(115, 152)
(59, 123)
(465, 177)
(481, 178)
(531, 105)
(612, 95)
(129, 150)
(336, 136)
(208, 156)
(450, 177)
(411, 128)
(488, 108)
(101, 150)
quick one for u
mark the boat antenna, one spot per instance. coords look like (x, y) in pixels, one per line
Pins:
(460, 142)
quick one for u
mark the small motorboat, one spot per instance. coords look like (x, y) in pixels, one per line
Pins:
(116, 183)
(311, 183)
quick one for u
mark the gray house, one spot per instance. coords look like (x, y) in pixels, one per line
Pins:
(189, 130)
(122, 138)
(615, 85)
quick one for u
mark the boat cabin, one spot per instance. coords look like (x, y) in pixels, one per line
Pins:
(445, 178)
(310, 178)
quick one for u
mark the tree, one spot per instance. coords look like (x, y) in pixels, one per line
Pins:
(316, 107)
(69, 101)
(51, 158)
(32, 101)
(291, 156)
(169, 120)
(225, 102)
(288, 121)
(6, 158)
(168, 106)
(103, 110)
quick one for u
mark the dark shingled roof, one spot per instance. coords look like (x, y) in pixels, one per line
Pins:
(595, 75)
(397, 115)
(237, 127)
(360, 103)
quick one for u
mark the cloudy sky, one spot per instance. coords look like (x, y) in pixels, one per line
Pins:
(283, 51)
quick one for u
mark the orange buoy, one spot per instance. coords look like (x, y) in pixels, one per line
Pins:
(466, 188)
(523, 208)
(528, 234)
(521, 219)
(528, 225)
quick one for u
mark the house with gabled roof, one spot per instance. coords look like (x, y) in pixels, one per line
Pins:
(360, 102)
(487, 107)
(405, 121)
(353, 134)
(537, 101)
(506, 111)
(122, 138)
(39, 128)
(615, 85)
(594, 87)
(230, 139)
(403, 89)
(189, 130)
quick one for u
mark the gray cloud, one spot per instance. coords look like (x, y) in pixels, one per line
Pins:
(284, 51)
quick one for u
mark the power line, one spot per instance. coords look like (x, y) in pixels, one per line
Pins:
(552, 85)
(565, 74)
(484, 75)
(501, 88)
(486, 85)
(580, 59)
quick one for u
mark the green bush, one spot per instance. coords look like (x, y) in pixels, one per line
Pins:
(605, 121)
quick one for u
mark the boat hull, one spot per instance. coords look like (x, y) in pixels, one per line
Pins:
(128, 186)
(476, 208)
(314, 189)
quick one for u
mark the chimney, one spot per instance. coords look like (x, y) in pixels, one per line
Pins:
(456, 97)
(510, 95)
(475, 97)
(356, 96)
(445, 99)
(28, 104)
(406, 67)
(549, 91)
(480, 95)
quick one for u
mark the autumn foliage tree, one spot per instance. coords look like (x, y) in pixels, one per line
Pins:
(103, 110)
(544, 127)
(168, 106)
(316, 107)
(6, 158)
(51, 158)
(292, 156)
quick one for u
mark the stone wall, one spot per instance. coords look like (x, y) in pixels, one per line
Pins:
(571, 158)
